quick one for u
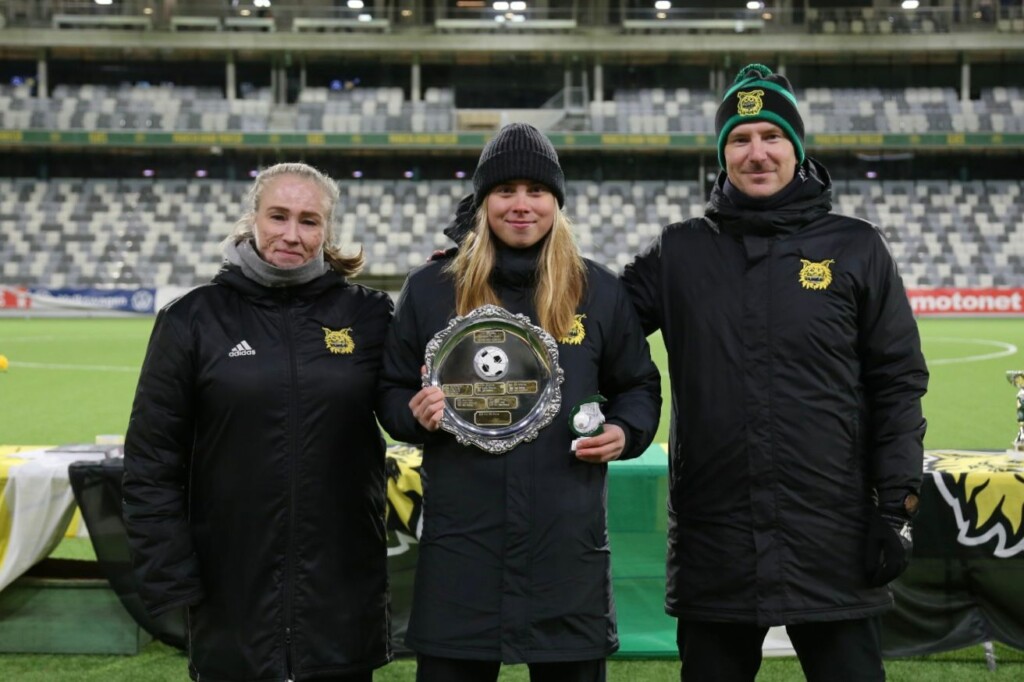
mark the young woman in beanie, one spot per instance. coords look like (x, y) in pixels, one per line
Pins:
(514, 563)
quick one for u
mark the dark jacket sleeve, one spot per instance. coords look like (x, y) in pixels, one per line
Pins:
(895, 377)
(157, 455)
(642, 279)
(401, 371)
(629, 378)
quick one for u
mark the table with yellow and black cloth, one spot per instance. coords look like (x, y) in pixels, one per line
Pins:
(965, 584)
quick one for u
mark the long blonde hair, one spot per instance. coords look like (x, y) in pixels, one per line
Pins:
(349, 266)
(561, 273)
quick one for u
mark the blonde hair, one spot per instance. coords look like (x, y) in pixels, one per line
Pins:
(561, 273)
(348, 266)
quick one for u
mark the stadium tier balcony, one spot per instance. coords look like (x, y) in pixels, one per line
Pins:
(78, 232)
(546, 18)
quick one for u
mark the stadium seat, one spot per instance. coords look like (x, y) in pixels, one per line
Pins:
(161, 232)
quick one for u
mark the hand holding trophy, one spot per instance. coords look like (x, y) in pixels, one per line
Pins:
(586, 419)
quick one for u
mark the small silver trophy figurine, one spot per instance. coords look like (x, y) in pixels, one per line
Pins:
(586, 419)
(1016, 377)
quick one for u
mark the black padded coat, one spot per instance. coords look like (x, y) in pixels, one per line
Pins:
(797, 378)
(254, 477)
(514, 558)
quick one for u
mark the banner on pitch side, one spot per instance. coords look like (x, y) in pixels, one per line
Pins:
(42, 299)
(965, 302)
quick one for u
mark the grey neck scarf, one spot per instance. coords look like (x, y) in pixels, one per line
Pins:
(243, 254)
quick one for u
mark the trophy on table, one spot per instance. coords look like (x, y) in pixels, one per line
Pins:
(500, 377)
(1016, 377)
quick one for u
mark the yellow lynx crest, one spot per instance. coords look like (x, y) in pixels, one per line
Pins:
(749, 102)
(339, 342)
(816, 276)
(576, 333)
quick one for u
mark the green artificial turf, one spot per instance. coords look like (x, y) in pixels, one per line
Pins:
(160, 663)
(73, 379)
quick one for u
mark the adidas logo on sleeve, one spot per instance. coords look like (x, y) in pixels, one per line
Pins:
(241, 349)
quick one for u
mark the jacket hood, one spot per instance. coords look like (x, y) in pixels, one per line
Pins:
(462, 222)
(810, 200)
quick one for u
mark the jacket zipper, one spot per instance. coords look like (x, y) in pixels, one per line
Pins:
(289, 576)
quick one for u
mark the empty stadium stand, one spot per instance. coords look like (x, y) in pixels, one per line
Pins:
(78, 232)
(825, 110)
(170, 107)
(364, 110)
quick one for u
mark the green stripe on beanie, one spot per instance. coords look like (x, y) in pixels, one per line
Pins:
(757, 94)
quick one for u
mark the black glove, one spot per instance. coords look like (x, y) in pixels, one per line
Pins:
(889, 544)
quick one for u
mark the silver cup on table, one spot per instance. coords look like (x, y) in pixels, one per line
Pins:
(1016, 377)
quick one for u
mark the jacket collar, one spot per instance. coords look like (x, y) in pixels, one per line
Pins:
(806, 199)
(231, 276)
(516, 267)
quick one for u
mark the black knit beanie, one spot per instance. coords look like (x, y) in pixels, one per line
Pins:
(518, 151)
(758, 94)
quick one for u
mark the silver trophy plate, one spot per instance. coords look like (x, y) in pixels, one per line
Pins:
(500, 377)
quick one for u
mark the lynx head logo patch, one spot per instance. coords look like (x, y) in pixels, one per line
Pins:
(816, 276)
(749, 102)
(576, 333)
(339, 342)
(986, 493)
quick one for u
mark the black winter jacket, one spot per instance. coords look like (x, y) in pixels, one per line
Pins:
(514, 560)
(254, 477)
(797, 378)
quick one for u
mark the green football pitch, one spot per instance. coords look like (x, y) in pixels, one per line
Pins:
(73, 379)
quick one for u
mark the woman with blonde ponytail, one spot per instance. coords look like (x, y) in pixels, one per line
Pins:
(254, 484)
(514, 563)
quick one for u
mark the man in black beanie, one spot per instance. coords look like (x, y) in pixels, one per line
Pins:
(797, 376)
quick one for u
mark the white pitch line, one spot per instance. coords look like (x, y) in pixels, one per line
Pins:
(87, 368)
(1007, 350)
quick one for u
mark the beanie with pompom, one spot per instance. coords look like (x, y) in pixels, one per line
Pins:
(759, 94)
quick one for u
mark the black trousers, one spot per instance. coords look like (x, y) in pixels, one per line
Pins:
(845, 650)
(434, 669)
